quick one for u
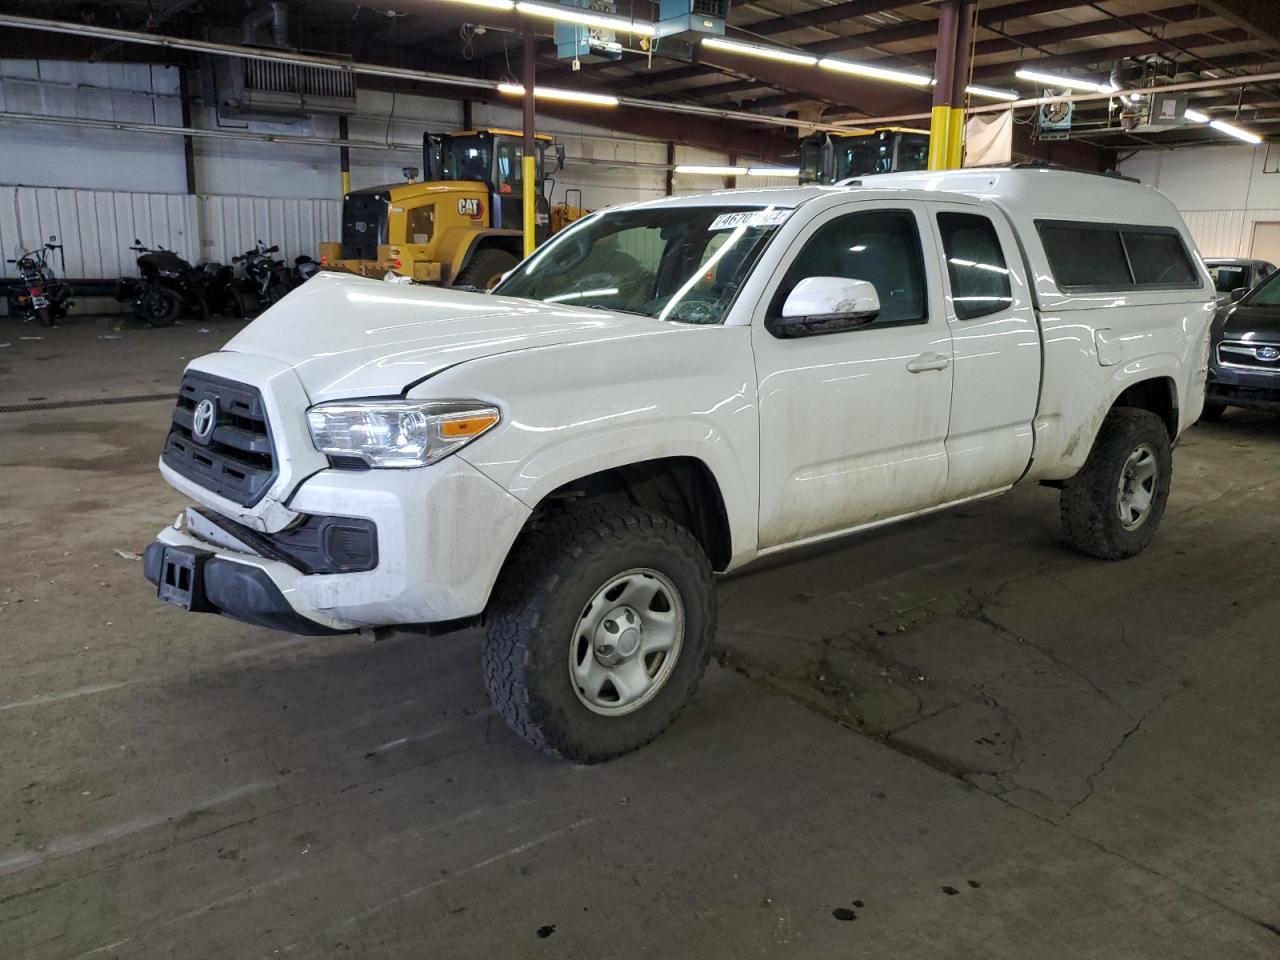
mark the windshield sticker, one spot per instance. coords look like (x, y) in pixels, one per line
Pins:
(749, 218)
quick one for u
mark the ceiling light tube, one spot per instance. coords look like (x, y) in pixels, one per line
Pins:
(491, 4)
(751, 50)
(1232, 131)
(876, 73)
(710, 171)
(1195, 116)
(555, 93)
(980, 91)
(773, 171)
(554, 11)
(1066, 83)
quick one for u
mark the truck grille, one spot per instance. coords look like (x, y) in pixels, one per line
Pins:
(235, 457)
(1256, 356)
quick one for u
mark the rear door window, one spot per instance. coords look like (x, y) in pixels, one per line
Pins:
(976, 265)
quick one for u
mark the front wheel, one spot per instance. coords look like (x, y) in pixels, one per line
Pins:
(599, 630)
(1112, 507)
(485, 268)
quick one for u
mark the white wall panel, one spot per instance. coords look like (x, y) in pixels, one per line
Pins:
(1222, 191)
(233, 225)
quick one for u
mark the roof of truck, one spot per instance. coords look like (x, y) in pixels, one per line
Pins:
(1024, 192)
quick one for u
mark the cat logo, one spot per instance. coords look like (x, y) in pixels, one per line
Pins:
(470, 207)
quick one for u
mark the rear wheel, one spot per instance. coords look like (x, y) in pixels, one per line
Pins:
(1112, 507)
(158, 306)
(599, 630)
(485, 268)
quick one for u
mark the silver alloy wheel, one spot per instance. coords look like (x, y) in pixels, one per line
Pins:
(1137, 488)
(627, 642)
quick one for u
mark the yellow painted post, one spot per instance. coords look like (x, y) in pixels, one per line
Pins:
(530, 220)
(940, 138)
(955, 139)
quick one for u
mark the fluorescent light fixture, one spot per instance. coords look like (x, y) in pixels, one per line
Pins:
(709, 171)
(773, 171)
(555, 93)
(751, 50)
(1195, 116)
(877, 73)
(1233, 131)
(1066, 83)
(491, 4)
(992, 92)
(554, 11)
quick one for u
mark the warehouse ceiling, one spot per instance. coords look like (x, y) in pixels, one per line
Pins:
(1146, 41)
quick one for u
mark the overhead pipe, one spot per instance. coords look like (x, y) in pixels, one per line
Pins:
(276, 14)
(369, 69)
(229, 134)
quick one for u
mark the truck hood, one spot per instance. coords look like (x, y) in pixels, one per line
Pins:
(349, 336)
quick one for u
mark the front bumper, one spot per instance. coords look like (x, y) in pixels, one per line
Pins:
(1240, 387)
(443, 532)
(192, 577)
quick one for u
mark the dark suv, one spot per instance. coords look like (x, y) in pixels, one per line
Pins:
(1244, 353)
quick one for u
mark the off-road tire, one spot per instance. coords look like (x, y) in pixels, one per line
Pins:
(485, 268)
(1213, 412)
(554, 569)
(1088, 502)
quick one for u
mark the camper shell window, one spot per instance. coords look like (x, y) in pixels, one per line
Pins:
(1112, 257)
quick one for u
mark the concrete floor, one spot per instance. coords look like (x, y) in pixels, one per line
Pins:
(954, 738)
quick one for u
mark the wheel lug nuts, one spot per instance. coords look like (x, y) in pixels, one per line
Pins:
(611, 626)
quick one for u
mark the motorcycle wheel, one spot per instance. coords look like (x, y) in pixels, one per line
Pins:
(46, 317)
(158, 307)
(231, 304)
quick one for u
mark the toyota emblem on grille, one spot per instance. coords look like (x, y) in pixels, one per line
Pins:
(204, 420)
(1267, 353)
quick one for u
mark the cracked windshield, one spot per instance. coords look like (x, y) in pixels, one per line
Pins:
(670, 263)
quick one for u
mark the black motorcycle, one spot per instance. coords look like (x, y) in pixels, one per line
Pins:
(39, 295)
(166, 286)
(222, 290)
(266, 278)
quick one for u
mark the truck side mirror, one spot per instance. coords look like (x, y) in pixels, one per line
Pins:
(818, 305)
(1238, 293)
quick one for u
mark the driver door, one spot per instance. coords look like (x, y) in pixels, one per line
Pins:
(853, 425)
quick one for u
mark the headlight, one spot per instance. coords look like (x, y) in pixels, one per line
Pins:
(398, 433)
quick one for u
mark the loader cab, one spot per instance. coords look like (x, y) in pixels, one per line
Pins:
(495, 157)
(831, 157)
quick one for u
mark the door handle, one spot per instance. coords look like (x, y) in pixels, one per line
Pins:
(929, 361)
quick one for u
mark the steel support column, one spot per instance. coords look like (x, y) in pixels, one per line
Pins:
(530, 159)
(944, 70)
(344, 156)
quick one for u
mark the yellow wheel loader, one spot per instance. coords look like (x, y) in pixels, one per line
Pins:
(458, 226)
(832, 157)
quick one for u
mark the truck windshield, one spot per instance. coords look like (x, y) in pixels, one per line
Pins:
(466, 158)
(672, 263)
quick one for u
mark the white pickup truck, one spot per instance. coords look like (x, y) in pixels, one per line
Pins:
(670, 390)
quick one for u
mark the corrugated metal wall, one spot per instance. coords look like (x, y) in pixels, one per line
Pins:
(96, 227)
(1217, 232)
(232, 225)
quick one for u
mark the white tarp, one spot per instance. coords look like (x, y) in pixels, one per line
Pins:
(988, 139)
